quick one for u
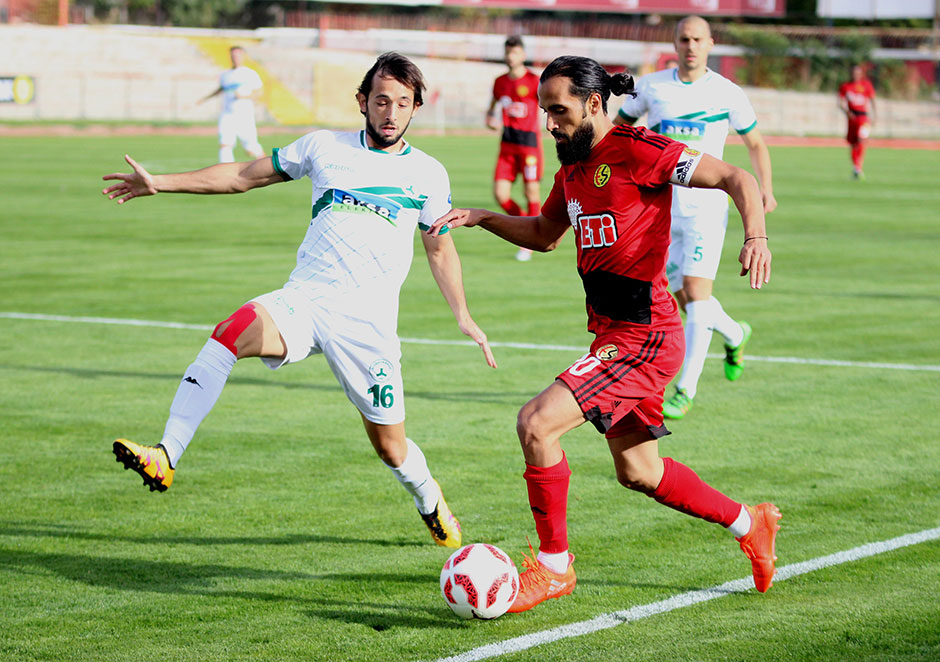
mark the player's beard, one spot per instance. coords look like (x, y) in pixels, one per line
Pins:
(382, 141)
(576, 147)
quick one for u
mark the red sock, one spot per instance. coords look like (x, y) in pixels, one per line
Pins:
(682, 490)
(535, 208)
(511, 208)
(548, 498)
(858, 153)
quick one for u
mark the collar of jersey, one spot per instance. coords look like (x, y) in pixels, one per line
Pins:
(675, 76)
(362, 141)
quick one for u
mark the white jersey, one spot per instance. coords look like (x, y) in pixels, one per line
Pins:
(698, 114)
(237, 85)
(366, 204)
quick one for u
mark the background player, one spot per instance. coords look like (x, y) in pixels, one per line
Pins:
(613, 188)
(857, 101)
(520, 148)
(696, 106)
(239, 86)
(370, 190)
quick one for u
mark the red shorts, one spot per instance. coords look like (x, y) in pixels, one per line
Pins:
(518, 159)
(859, 128)
(619, 384)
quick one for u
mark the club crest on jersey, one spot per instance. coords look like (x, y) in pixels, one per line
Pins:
(601, 175)
(365, 203)
(607, 352)
(522, 91)
(381, 370)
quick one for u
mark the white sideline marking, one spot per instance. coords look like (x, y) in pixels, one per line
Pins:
(613, 619)
(469, 343)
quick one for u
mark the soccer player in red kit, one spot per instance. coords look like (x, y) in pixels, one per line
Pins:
(520, 149)
(614, 189)
(857, 101)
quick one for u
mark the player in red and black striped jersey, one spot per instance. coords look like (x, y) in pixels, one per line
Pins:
(614, 189)
(515, 98)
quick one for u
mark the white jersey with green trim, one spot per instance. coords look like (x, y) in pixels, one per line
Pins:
(698, 114)
(366, 204)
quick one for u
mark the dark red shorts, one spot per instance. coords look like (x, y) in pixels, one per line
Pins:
(515, 160)
(619, 384)
(859, 128)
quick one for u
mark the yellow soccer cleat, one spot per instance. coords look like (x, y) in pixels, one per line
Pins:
(151, 462)
(444, 527)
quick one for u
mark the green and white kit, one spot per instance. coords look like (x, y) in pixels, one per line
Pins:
(341, 299)
(700, 115)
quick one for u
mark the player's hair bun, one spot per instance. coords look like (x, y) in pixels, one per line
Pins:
(620, 84)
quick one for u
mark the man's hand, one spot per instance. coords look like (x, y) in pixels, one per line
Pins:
(456, 218)
(470, 328)
(770, 202)
(132, 185)
(755, 259)
(492, 122)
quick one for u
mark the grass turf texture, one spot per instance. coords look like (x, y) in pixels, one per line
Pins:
(283, 537)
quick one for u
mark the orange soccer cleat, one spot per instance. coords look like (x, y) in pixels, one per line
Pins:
(759, 543)
(538, 584)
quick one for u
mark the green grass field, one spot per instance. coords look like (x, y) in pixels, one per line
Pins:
(284, 538)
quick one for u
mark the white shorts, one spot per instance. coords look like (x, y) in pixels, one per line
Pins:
(239, 126)
(695, 247)
(366, 362)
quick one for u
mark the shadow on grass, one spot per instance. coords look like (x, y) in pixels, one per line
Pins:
(178, 578)
(44, 530)
(506, 398)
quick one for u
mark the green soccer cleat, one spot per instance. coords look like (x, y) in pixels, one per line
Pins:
(678, 405)
(734, 356)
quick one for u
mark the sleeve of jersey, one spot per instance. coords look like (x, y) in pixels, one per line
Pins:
(439, 200)
(742, 117)
(556, 207)
(295, 160)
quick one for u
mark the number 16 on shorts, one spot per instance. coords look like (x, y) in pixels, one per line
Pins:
(382, 396)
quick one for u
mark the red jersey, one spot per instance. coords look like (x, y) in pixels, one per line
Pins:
(857, 95)
(619, 201)
(519, 99)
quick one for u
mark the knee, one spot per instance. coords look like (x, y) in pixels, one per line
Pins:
(228, 331)
(531, 428)
(637, 477)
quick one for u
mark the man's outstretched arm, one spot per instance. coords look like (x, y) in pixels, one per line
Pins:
(537, 233)
(219, 178)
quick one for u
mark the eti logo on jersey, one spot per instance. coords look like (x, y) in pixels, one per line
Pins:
(597, 230)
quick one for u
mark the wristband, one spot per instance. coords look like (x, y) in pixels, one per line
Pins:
(749, 238)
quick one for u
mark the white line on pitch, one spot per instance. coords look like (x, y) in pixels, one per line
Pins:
(469, 343)
(613, 619)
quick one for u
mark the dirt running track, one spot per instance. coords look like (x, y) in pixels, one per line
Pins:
(159, 130)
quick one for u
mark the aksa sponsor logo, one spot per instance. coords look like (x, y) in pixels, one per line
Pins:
(365, 203)
(601, 175)
(607, 352)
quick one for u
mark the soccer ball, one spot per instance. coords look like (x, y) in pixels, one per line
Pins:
(479, 581)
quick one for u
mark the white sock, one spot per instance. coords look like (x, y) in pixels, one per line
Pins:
(727, 327)
(698, 336)
(201, 386)
(557, 563)
(742, 525)
(226, 154)
(415, 477)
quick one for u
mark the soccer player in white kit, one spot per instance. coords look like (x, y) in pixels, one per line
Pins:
(371, 189)
(696, 106)
(238, 87)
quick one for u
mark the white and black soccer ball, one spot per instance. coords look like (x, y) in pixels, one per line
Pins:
(479, 581)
